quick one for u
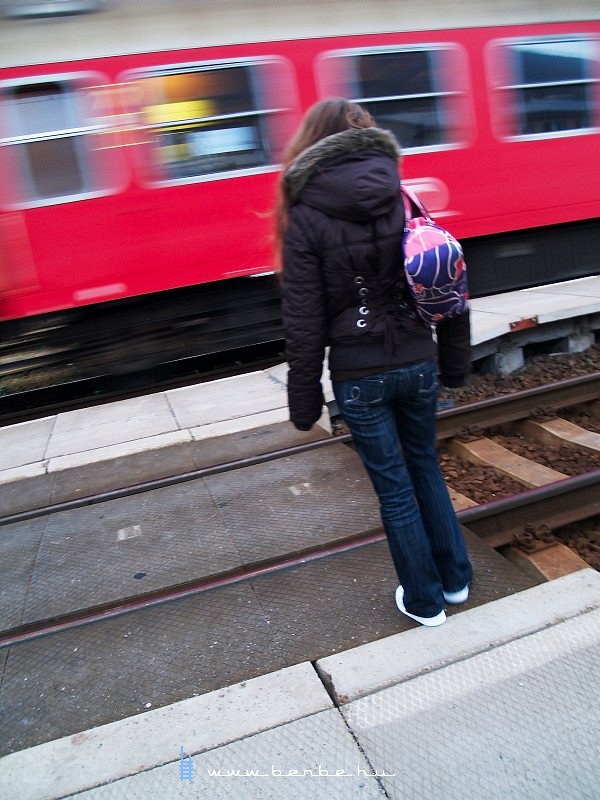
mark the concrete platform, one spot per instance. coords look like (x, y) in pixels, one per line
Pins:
(129, 441)
(496, 316)
(504, 706)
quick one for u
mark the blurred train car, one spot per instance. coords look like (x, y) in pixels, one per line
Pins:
(140, 142)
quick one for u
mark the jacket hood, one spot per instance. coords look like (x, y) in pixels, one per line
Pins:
(351, 175)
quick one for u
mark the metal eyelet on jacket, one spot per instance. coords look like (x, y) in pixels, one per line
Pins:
(363, 291)
(363, 310)
(358, 280)
(361, 323)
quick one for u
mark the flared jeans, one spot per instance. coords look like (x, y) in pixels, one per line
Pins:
(392, 420)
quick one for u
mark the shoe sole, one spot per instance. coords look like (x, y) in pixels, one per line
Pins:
(428, 622)
(455, 598)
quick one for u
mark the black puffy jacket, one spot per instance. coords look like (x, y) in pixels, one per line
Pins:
(342, 281)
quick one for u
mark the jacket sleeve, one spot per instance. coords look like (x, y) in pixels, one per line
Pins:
(304, 322)
(454, 350)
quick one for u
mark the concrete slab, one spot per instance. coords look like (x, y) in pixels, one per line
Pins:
(113, 467)
(84, 677)
(25, 443)
(518, 721)
(551, 306)
(278, 373)
(223, 635)
(109, 752)
(492, 316)
(24, 488)
(374, 666)
(585, 287)
(205, 527)
(247, 442)
(16, 474)
(122, 465)
(123, 421)
(225, 399)
(308, 759)
(547, 306)
(155, 444)
(486, 323)
(226, 427)
(343, 600)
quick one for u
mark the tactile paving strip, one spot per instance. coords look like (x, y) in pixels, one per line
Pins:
(319, 749)
(75, 680)
(520, 721)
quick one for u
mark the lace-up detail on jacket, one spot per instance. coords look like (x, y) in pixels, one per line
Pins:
(384, 296)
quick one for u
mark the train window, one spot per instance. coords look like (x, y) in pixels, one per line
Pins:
(38, 112)
(53, 139)
(48, 8)
(419, 94)
(545, 87)
(208, 119)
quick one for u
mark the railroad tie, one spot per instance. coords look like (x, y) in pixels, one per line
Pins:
(559, 431)
(460, 501)
(485, 451)
(547, 564)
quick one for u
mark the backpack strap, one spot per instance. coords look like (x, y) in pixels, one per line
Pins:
(413, 207)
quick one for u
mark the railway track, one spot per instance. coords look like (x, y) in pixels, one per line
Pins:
(528, 517)
(81, 357)
(83, 392)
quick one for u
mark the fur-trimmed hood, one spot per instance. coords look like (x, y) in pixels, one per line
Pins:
(338, 144)
(349, 175)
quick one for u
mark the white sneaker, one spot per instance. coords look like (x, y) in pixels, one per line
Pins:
(429, 622)
(457, 597)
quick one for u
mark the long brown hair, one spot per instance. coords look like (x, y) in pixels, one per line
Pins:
(333, 115)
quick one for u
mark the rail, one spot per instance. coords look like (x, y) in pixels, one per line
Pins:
(486, 413)
(497, 522)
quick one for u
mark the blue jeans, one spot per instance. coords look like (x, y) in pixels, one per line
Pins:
(392, 420)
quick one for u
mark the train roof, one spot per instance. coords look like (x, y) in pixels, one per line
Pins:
(136, 26)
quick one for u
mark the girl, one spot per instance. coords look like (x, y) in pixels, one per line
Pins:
(340, 224)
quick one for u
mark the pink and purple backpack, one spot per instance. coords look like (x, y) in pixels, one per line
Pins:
(434, 265)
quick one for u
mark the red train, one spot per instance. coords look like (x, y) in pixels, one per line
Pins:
(140, 145)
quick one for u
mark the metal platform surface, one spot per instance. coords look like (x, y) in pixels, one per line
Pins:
(73, 680)
(100, 554)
